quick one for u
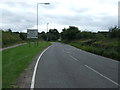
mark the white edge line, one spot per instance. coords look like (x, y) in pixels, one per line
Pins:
(35, 69)
(102, 75)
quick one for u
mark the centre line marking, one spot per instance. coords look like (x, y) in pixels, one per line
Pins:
(74, 58)
(102, 75)
(65, 51)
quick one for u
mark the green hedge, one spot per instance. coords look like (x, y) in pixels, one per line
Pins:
(110, 52)
(10, 38)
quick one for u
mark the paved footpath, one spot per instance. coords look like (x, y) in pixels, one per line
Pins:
(12, 46)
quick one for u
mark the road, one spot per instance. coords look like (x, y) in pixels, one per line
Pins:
(64, 66)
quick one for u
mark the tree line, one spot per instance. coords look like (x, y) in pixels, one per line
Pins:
(67, 34)
(73, 33)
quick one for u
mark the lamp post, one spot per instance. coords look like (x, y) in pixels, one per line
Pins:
(37, 15)
(47, 31)
(47, 26)
(37, 11)
(119, 14)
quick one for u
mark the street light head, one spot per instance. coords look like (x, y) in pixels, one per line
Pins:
(46, 3)
(43, 3)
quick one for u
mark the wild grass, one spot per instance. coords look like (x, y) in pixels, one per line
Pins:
(15, 60)
(107, 48)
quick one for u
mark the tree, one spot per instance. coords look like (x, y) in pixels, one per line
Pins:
(53, 35)
(23, 36)
(70, 33)
(79, 35)
(42, 35)
(9, 30)
(113, 32)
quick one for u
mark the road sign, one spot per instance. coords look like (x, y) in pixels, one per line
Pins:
(32, 33)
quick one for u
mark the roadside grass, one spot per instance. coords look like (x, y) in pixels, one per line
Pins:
(107, 48)
(16, 60)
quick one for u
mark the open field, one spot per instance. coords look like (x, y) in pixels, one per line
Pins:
(15, 60)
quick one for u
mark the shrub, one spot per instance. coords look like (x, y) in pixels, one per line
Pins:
(9, 38)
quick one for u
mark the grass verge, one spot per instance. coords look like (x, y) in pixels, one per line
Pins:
(15, 60)
(107, 48)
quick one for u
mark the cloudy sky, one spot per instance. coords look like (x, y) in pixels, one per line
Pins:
(90, 15)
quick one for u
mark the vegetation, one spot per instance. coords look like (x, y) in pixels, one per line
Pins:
(107, 48)
(52, 35)
(23, 36)
(70, 33)
(15, 60)
(102, 43)
(9, 38)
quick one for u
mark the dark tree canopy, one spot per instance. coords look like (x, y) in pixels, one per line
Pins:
(70, 33)
(53, 35)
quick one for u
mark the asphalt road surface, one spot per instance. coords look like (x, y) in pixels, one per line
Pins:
(64, 66)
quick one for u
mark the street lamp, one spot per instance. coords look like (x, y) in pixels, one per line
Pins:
(47, 31)
(47, 27)
(37, 11)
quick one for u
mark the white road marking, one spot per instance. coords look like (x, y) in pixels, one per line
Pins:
(102, 75)
(70, 55)
(35, 69)
(65, 51)
(74, 58)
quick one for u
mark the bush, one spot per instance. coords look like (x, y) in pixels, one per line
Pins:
(107, 52)
(9, 38)
(111, 53)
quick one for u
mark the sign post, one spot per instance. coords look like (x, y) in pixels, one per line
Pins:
(32, 34)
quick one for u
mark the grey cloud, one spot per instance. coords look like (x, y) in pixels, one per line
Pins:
(105, 21)
(18, 4)
(27, 18)
(18, 21)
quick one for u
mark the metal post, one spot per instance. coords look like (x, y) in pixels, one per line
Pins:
(37, 11)
(47, 27)
(37, 42)
(29, 42)
(119, 14)
(37, 16)
(47, 31)
(37, 19)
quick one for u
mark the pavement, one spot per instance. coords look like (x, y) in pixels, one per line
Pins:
(64, 66)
